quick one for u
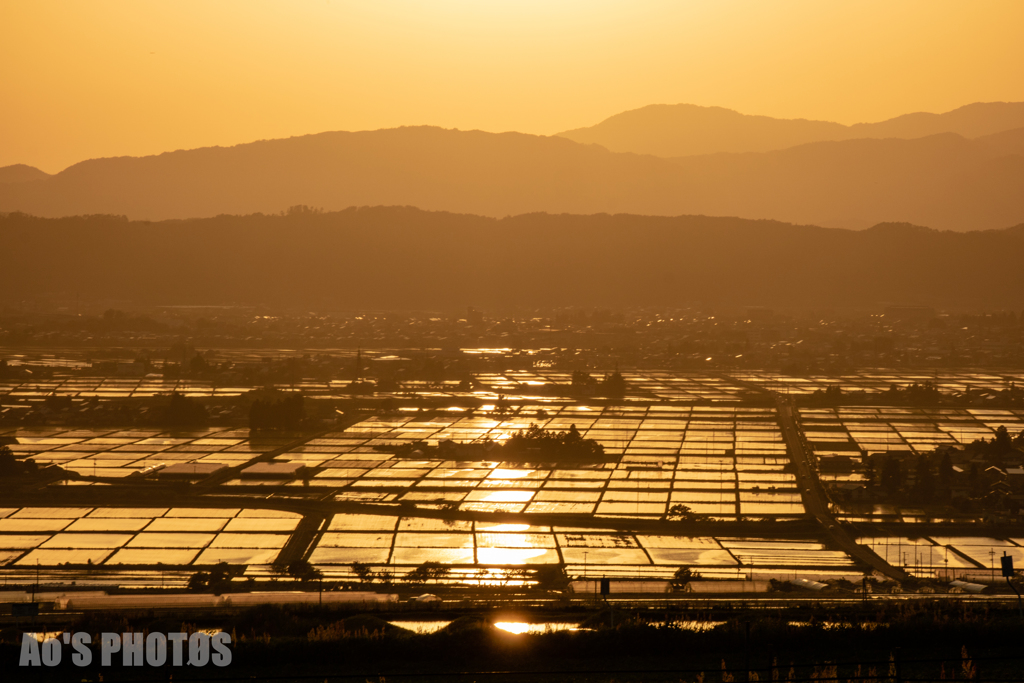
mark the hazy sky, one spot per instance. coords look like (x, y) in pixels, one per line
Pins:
(90, 78)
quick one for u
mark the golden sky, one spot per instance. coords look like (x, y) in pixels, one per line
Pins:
(89, 78)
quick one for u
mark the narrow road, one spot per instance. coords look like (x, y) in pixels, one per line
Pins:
(815, 499)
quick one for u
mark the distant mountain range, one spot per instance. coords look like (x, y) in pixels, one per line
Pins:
(395, 258)
(949, 180)
(20, 173)
(673, 130)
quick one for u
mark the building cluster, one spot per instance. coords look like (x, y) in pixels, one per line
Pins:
(980, 479)
(808, 342)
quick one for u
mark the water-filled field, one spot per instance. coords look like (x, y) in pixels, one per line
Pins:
(53, 536)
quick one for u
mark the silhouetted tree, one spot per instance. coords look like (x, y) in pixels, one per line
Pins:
(682, 577)
(182, 412)
(357, 369)
(685, 514)
(10, 466)
(216, 579)
(362, 571)
(1001, 442)
(277, 412)
(830, 395)
(304, 571)
(303, 210)
(428, 571)
(551, 577)
(924, 480)
(568, 445)
(892, 476)
(582, 383)
(945, 474)
(614, 385)
(198, 365)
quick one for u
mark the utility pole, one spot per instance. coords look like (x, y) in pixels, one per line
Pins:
(1007, 563)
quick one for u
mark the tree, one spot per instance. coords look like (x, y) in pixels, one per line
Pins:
(945, 474)
(215, 579)
(513, 574)
(362, 572)
(182, 412)
(277, 411)
(682, 577)
(428, 571)
(997, 449)
(582, 383)
(198, 365)
(357, 369)
(892, 476)
(58, 404)
(418, 575)
(199, 581)
(10, 466)
(502, 408)
(303, 210)
(614, 385)
(568, 445)
(974, 477)
(685, 514)
(924, 480)
(1001, 443)
(304, 571)
(551, 577)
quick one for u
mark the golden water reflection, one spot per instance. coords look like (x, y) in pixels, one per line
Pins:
(518, 627)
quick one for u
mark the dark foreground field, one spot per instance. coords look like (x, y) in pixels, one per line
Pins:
(878, 642)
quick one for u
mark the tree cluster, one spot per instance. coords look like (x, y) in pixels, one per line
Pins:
(304, 571)
(1000, 447)
(683, 576)
(685, 514)
(933, 477)
(428, 571)
(612, 386)
(10, 466)
(217, 579)
(916, 394)
(277, 413)
(182, 412)
(568, 445)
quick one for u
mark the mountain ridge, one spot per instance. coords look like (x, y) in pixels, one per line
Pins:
(422, 260)
(21, 173)
(668, 130)
(945, 180)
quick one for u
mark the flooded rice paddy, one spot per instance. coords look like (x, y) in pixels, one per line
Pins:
(642, 385)
(50, 536)
(727, 462)
(385, 541)
(972, 558)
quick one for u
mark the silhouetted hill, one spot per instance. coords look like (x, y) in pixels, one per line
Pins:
(944, 181)
(407, 259)
(427, 167)
(970, 121)
(19, 173)
(1006, 142)
(673, 130)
